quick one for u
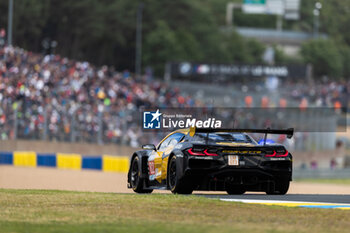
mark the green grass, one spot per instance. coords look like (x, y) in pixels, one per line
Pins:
(325, 181)
(62, 211)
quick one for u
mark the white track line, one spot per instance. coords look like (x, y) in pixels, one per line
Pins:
(256, 201)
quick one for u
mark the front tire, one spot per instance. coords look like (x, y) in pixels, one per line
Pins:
(175, 184)
(135, 177)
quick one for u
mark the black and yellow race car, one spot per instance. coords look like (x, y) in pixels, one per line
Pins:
(212, 160)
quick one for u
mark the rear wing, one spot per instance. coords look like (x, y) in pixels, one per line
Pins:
(288, 132)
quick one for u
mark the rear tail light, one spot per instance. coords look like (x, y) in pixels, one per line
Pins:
(197, 152)
(191, 152)
(271, 155)
(283, 153)
(209, 153)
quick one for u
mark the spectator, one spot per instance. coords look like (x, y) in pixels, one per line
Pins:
(333, 164)
(313, 164)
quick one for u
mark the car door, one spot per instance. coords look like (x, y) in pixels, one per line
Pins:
(174, 140)
(155, 160)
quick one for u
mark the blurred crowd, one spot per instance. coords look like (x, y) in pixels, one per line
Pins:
(300, 93)
(54, 98)
(322, 94)
(67, 96)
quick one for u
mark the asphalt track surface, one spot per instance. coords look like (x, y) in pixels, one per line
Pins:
(326, 198)
(95, 181)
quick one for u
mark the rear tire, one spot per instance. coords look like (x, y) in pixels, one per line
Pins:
(175, 184)
(135, 177)
(280, 188)
(235, 190)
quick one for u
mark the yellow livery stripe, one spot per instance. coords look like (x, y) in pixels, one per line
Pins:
(115, 163)
(68, 161)
(24, 158)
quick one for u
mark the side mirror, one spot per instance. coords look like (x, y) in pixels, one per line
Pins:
(149, 147)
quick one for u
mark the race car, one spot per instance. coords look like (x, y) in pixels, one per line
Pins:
(212, 160)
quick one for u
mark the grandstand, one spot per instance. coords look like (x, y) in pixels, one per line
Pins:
(58, 99)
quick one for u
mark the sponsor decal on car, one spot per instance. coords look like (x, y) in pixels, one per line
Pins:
(151, 168)
(242, 152)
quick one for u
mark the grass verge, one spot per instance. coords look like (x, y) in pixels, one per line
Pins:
(62, 211)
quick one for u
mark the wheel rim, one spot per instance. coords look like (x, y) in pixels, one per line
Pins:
(172, 174)
(134, 174)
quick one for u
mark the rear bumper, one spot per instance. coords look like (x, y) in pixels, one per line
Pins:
(218, 176)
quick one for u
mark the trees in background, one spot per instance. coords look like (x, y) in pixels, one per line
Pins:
(325, 56)
(103, 32)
